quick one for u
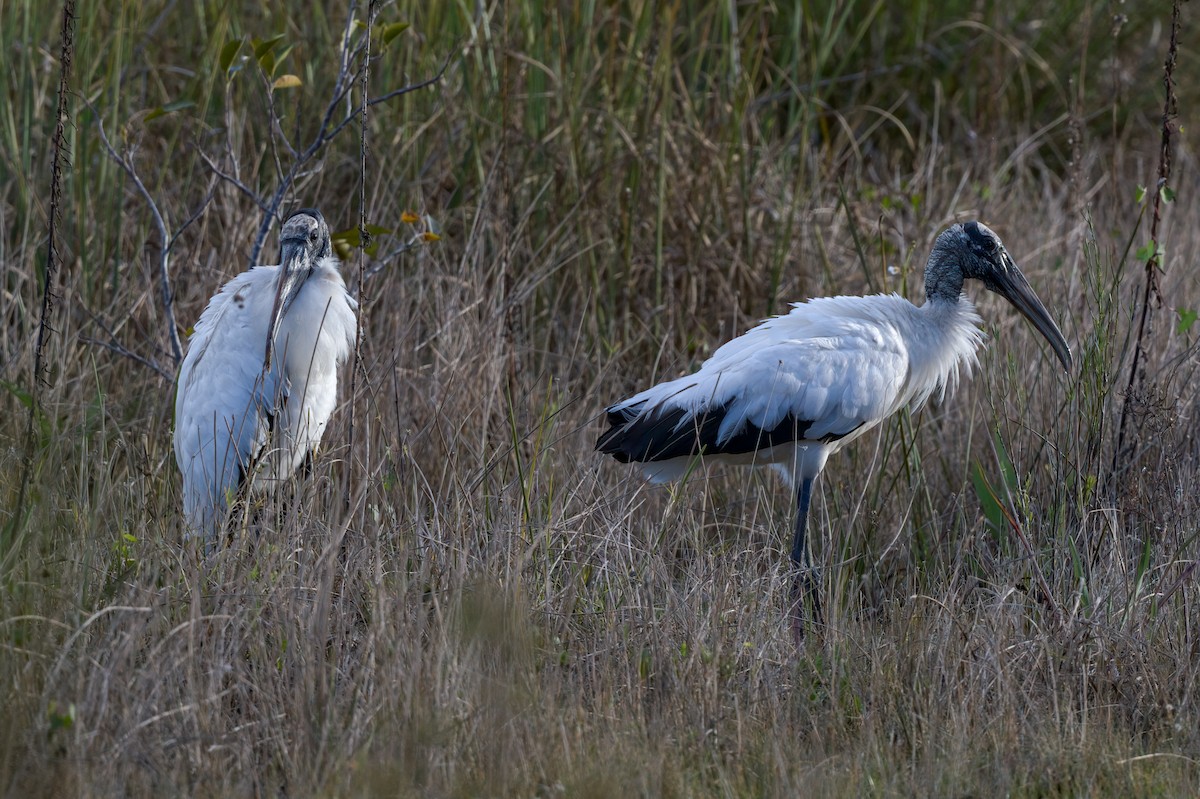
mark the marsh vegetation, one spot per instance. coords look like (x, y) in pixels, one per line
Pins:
(462, 599)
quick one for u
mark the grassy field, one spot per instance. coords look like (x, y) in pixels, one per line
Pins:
(463, 599)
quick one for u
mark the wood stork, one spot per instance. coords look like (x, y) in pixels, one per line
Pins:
(802, 385)
(259, 380)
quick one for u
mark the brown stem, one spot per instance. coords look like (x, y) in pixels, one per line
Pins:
(58, 144)
(1151, 291)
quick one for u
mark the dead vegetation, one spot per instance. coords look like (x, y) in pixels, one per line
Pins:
(497, 611)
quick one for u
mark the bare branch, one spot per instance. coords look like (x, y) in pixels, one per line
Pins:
(192, 218)
(116, 346)
(364, 238)
(391, 95)
(120, 349)
(233, 181)
(379, 264)
(165, 240)
(1151, 292)
(12, 532)
(342, 87)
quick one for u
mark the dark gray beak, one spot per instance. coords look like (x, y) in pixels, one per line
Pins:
(294, 268)
(1008, 282)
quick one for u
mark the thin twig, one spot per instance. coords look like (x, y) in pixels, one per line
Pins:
(116, 346)
(164, 238)
(364, 241)
(233, 181)
(58, 144)
(340, 87)
(121, 349)
(378, 264)
(1151, 291)
(392, 94)
(326, 133)
(196, 214)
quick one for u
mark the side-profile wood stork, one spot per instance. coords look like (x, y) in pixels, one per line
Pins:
(259, 380)
(800, 386)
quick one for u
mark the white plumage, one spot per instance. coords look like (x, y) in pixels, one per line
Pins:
(840, 364)
(799, 387)
(238, 418)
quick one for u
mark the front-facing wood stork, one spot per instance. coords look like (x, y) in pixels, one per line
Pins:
(802, 385)
(259, 380)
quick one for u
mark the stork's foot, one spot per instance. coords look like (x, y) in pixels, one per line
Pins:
(804, 596)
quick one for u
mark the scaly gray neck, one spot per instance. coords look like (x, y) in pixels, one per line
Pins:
(943, 273)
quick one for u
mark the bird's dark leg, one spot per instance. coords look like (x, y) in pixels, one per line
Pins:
(805, 579)
(306, 467)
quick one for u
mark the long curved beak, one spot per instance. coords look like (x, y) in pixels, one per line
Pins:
(1012, 285)
(294, 268)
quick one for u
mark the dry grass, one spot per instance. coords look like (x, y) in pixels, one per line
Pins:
(500, 612)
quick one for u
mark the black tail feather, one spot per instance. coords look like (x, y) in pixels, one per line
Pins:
(664, 433)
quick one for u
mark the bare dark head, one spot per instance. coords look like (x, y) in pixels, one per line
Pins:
(305, 228)
(973, 250)
(303, 242)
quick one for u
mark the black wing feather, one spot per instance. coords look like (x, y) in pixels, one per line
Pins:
(662, 434)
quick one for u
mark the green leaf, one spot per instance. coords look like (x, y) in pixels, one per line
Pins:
(228, 54)
(26, 398)
(22, 396)
(264, 46)
(988, 500)
(1079, 573)
(1147, 251)
(61, 721)
(267, 62)
(346, 240)
(282, 54)
(1167, 194)
(390, 31)
(353, 237)
(1187, 318)
(169, 108)
(1006, 466)
(1139, 195)
(267, 56)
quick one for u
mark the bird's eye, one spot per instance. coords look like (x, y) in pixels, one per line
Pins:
(982, 241)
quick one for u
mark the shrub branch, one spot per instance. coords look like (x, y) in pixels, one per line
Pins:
(59, 158)
(165, 240)
(350, 54)
(1151, 290)
(364, 236)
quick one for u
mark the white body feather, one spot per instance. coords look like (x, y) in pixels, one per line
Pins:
(798, 387)
(234, 420)
(843, 363)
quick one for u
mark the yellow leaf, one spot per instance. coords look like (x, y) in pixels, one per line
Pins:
(409, 218)
(427, 236)
(287, 82)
